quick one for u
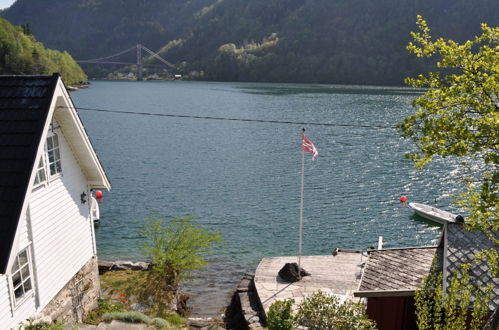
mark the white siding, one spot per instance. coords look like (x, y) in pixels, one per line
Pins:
(62, 232)
(5, 310)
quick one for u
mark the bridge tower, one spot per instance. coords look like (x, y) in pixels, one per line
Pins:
(139, 62)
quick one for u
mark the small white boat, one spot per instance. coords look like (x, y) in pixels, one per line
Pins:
(432, 213)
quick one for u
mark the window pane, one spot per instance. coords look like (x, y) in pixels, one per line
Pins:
(15, 266)
(19, 292)
(53, 169)
(51, 156)
(56, 154)
(55, 139)
(27, 285)
(42, 175)
(25, 272)
(50, 145)
(23, 258)
(16, 279)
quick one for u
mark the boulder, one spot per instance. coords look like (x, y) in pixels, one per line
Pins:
(289, 272)
(105, 266)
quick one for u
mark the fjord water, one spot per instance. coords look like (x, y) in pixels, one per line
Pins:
(242, 179)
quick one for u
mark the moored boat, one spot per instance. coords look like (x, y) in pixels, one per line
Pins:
(433, 213)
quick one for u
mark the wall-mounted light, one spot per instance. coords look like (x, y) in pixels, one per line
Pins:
(83, 197)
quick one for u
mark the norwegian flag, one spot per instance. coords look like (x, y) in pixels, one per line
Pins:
(308, 146)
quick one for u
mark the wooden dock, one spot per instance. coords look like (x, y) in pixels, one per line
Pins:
(339, 275)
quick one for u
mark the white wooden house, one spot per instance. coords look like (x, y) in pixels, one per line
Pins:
(48, 169)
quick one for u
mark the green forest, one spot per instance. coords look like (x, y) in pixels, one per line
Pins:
(317, 41)
(20, 53)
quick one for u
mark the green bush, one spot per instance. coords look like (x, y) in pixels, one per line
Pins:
(176, 248)
(58, 325)
(135, 317)
(159, 322)
(323, 312)
(280, 315)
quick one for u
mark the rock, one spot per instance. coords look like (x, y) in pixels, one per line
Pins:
(204, 324)
(138, 307)
(130, 265)
(289, 272)
(105, 266)
(245, 310)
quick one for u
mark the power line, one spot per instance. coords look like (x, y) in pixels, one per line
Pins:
(238, 119)
(110, 56)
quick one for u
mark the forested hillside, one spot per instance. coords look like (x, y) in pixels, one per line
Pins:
(327, 41)
(20, 53)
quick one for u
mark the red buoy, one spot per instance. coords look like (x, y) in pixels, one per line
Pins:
(403, 199)
(98, 195)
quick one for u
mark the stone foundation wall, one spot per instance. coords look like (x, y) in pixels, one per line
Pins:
(245, 311)
(78, 297)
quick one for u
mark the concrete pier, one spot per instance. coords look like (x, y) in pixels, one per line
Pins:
(332, 274)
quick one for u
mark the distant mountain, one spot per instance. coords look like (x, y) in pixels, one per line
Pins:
(20, 53)
(325, 41)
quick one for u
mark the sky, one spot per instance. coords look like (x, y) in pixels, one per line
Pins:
(5, 3)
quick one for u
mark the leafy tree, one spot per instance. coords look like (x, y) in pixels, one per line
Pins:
(20, 53)
(176, 248)
(325, 312)
(454, 311)
(458, 116)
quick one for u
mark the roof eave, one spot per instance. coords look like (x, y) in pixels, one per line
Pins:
(77, 137)
(385, 293)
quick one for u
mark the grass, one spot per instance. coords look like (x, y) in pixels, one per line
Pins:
(124, 281)
(123, 288)
(59, 325)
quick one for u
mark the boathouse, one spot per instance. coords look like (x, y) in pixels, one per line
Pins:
(48, 171)
(391, 276)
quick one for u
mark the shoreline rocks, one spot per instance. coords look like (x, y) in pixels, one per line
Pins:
(105, 266)
(245, 310)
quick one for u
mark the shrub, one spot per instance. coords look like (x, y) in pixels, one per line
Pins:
(322, 312)
(176, 248)
(280, 315)
(135, 317)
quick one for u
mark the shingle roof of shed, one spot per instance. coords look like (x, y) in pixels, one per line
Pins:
(462, 246)
(397, 269)
(24, 106)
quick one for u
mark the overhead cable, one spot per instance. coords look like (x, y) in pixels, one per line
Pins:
(238, 119)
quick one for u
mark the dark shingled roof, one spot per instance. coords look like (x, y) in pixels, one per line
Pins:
(462, 246)
(24, 106)
(397, 269)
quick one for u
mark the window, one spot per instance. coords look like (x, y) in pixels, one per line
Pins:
(50, 161)
(54, 156)
(21, 276)
(41, 175)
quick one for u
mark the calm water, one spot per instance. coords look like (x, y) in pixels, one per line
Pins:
(243, 179)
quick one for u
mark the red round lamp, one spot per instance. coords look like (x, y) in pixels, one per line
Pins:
(98, 195)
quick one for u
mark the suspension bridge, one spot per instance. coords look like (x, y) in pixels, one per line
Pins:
(114, 59)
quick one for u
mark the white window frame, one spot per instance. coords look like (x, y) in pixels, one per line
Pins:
(17, 302)
(41, 170)
(45, 157)
(55, 151)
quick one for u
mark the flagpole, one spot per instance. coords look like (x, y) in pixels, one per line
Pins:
(301, 208)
